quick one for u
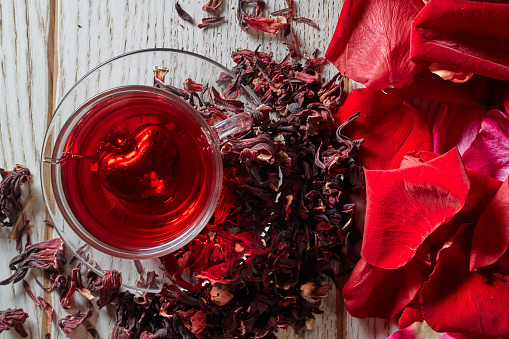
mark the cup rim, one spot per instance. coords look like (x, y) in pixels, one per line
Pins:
(154, 49)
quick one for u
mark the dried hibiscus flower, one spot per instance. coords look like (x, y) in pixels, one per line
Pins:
(13, 319)
(47, 256)
(72, 321)
(205, 22)
(212, 6)
(10, 193)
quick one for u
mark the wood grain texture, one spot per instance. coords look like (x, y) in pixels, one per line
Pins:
(47, 45)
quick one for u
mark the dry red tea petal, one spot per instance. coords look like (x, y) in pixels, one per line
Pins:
(181, 13)
(205, 22)
(47, 308)
(47, 256)
(72, 321)
(267, 25)
(212, 6)
(291, 42)
(10, 193)
(307, 21)
(13, 319)
(110, 286)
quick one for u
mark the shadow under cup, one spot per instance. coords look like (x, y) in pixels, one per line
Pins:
(136, 172)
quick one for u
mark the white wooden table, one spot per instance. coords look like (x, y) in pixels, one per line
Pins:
(46, 45)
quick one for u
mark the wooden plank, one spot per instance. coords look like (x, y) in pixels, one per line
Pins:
(24, 29)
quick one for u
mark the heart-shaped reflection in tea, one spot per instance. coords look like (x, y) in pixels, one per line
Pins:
(143, 167)
(137, 170)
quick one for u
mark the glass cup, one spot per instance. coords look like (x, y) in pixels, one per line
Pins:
(108, 93)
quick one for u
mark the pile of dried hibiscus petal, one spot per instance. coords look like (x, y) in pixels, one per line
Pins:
(283, 218)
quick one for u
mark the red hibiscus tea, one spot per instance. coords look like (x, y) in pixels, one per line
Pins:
(138, 170)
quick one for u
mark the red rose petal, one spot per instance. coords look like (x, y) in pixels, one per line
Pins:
(491, 235)
(430, 86)
(376, 292)
(467, 35)
(411, 314)
(371, 44)
(404, 206)
(390, 127)
(489, 152)
(454, 299)
(456, 126)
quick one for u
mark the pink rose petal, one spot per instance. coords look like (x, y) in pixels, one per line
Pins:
(421, 330)
(489, 152)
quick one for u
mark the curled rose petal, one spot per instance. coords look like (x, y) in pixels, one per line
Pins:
(390, 127)
(405, 206)
(491, 235)
(454, 299)
(489, 152)
(449, 73)
(465, 35)
(377, 292)
(371, 44)
(268, 25)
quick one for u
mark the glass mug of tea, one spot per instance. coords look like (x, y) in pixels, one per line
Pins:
(133, 170)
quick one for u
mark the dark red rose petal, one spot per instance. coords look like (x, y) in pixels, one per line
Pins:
(454, 299)
(467, 35)
(404, 206)
(456, 126)
(381, 293)
(411, 314)
(390, 127)
(371, 44)
(491, 235)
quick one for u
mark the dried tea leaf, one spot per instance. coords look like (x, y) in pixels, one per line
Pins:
(110, 286)
(183, 14)
(72, 321)
(10, 193)
(13, 319)
(306, 21)
(205, 22)
(268, 25)
(291, 42)
(212, 6)
(47, 256)
(48, 309)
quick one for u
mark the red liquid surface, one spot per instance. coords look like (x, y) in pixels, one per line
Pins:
(139, 171)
